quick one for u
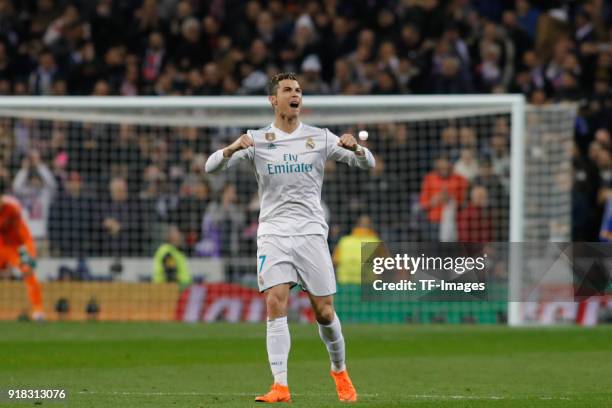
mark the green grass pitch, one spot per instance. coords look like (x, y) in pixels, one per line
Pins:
(181, 365)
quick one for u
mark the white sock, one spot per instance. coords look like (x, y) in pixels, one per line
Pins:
(331, 334)
(278, 343)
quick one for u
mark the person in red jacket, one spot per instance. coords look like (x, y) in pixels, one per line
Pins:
(17, 250)
(440, 186)
(474, 222)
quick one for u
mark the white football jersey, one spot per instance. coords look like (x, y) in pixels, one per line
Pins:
(289, 170)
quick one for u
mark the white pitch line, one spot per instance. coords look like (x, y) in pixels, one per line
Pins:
(479, 397)
(247, 394)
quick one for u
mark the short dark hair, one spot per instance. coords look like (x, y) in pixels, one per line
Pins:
(273, 82)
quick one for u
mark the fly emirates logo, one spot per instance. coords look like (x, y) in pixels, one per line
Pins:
(290, 165)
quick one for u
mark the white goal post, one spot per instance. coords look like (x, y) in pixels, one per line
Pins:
(473, 120)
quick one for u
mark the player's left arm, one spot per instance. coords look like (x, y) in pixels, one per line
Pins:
(346, 149)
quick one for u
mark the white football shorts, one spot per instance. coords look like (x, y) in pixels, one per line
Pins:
(300, 259)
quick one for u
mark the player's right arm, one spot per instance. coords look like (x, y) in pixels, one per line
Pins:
(242, 148)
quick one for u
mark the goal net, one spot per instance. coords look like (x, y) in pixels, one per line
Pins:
(106, 182)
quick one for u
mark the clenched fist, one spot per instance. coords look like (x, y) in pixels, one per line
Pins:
(349, 142)
(243, 142)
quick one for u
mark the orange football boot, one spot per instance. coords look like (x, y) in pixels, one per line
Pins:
(344, 386)
(277, 393)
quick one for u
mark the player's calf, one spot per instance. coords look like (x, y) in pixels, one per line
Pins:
(277, 299)
(323, 308)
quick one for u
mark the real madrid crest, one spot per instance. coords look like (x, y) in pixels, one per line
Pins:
(270, 136)
(310, 143)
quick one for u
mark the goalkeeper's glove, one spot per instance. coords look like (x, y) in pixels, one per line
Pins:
(25, 258)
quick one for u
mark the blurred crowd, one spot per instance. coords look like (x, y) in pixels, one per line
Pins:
(113, 181)
(549, 50)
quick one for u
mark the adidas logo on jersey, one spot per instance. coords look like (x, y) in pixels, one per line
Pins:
(272, 146)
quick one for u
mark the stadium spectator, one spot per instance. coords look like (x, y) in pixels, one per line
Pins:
(386, 204)
(170, 263)
(337, 191)
(527, 17)
(86, 68)
(499, 155)
(497, 197)
(474, 221)
(212, 81)
(101, 88)
(156, 203)
(467, 165)
(467, 137)
(603, 160)
(441, 191)
(248, 238)
(584, 198)
(190, 51)
(41, 80)
(192, 205)
(449, 143)
(147, 18)
(45, 13)
(65, 32)
(70, 217)
(310, 80)
(6, 64)
(35, 186)
(11, 25)
(520, 39)
(304, 41)
(222, 225)
(7, 144)
(130, 83)
(107, 28)
(605, 231)
(119, 224)
(128, 159)
(448, 79)
(402, 40)
(344, 78)
(347, 254)
(155, 193)
(154, 59)
(182, 11)
(385, 84)
(602, 137)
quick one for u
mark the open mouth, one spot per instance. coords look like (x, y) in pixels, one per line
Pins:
(294, 104)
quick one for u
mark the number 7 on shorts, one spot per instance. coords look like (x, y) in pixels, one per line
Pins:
(262, 258)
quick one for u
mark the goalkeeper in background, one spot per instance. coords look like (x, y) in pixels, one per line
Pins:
(288, 158)
(17, 249)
